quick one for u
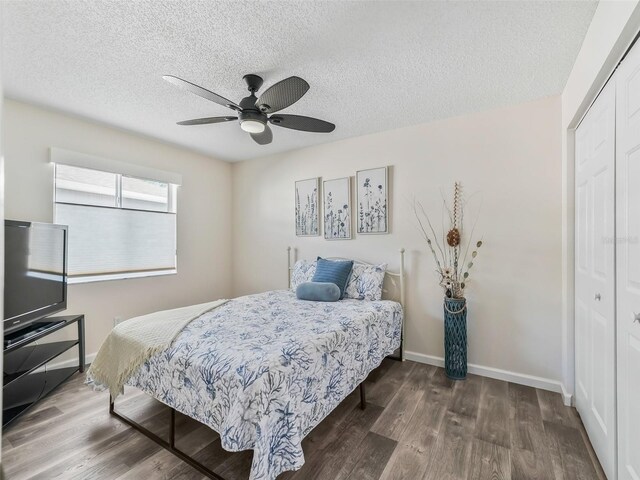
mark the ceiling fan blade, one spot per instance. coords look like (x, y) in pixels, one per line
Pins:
(201, 92)
(282, 94)
(263, 138)
(299, 122)
(204, 121)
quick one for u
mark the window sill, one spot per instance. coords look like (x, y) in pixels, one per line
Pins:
(120, 276)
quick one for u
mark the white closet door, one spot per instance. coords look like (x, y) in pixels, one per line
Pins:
(595, 277)
(628, 263)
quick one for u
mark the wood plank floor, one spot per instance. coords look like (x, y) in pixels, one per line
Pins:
(417, 425)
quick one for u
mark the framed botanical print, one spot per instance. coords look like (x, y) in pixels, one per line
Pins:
(337, 208)
(372, 208)
(307, 208)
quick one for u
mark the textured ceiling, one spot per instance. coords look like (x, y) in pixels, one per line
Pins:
(372, 66)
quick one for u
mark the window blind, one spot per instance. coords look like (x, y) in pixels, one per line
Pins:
(110, 241)
(120, 226)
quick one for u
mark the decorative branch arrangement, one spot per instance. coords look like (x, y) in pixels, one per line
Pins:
(449, 252)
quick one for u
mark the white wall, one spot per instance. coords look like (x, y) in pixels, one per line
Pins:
(613, 27)
(512, 156)
(204, 212)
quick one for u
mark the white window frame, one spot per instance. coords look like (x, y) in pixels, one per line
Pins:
(173, 181)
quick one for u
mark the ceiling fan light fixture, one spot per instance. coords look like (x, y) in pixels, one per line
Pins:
(253, 111)
(252, 126)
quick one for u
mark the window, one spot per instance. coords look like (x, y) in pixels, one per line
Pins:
(121, 225)
(140, 194)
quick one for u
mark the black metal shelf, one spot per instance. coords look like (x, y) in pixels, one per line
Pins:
(39, 330)
(50, 381)
(27, 377)
(31, 357)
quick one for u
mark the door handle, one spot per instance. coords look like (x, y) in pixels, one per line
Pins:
(597, 297)
(636, 317)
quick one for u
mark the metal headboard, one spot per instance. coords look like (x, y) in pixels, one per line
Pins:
(396, 278)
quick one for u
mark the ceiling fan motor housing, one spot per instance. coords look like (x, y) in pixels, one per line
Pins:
(252, 115)
(249, 110)
(256, 121)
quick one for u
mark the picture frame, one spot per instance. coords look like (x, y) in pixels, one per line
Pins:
(307, 207)
(372, 201)
(337, 217)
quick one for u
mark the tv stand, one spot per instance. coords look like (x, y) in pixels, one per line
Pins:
(27, 333)
(26, 377)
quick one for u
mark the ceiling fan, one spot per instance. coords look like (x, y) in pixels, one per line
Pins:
(255, 112)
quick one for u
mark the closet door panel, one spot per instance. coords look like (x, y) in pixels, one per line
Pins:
(582, 332)
(601, 401)
(602, 221)
(628, 263)
(582, 225)
(595, 276)
(583, 339)
(632, 222)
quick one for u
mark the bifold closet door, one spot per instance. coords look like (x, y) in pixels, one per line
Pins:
(628, 263)
(595, 276)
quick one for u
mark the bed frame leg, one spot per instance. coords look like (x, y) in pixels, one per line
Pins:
(172, 429)
(363, 400)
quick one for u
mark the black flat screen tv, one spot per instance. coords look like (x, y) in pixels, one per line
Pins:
(35, 272)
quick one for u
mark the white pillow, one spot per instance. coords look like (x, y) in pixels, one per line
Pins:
(302, 272)
(366, 282)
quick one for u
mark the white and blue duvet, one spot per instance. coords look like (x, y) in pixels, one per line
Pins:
(263, 370)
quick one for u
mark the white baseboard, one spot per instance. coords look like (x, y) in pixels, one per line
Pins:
(499, 374)
(71, 362)
(567, 397)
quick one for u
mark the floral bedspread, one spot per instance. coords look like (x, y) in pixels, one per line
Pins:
(263, 370)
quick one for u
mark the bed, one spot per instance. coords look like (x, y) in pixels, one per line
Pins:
(263, 370)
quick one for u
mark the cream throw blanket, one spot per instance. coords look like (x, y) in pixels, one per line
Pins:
(134, 341)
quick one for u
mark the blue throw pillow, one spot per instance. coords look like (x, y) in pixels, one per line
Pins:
(333, 271)
(318, 292)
